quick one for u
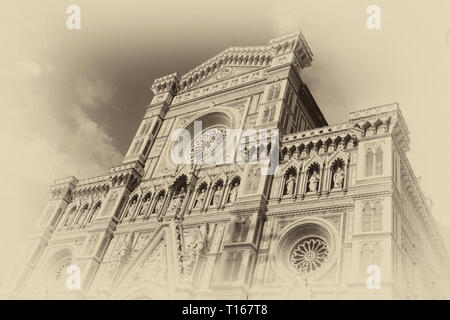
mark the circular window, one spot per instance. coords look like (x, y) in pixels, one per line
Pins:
(306, 247)
(308, 255)
(61, 269)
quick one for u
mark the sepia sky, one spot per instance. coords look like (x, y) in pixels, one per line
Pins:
(71, 100)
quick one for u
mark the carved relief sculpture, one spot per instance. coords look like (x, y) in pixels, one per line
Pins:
(233, 193)
(216, 196)
(314, 181)
(338, 179)
(290, 185)
(200, 199)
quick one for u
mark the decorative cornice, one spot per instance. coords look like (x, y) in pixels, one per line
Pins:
(233, 56)
(221, 86)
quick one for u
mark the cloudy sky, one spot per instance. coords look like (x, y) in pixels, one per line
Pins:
(71, 100)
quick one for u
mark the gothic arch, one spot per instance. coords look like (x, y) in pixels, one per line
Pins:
(180, 182)
(222, 176)
(69, 214)
(337, 172)
(203, 184)
(205, 179)
(292, 163)
(338, 155)
(94, 210)
(290, 181)
(49, 277)
(233, 182)
(316, 159)
(83, 213)
(227, 117)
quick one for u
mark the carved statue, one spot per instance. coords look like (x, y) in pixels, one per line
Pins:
(290, 185)
(144, 206)
(199, 238)
(200, 199)
(180, 199)
(70, 217)
(314, 181)
(216, 196)
(338, 178)
(158, 205)
(233, 193)
(177, 201)
(82, 215)
(131, 207)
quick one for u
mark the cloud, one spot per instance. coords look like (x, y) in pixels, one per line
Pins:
(39, 145)
(94, 92)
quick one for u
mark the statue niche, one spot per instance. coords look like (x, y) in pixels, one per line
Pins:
(290, 182)
(178, 192)
(201, 196)
(313, 178)
(145, 204)
(83, 214)
(131, 206)
(217, 193)
(234, 187)
(159, 202)
(337, 175)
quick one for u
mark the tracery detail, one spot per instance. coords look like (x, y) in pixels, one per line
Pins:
(309, 255)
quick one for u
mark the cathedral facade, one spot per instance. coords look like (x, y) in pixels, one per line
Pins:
(340, 216)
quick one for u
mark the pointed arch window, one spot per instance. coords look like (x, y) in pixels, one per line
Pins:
(272, 113)
(82, 215)
(137, 146)
(379, 162)
(377, 217)
(374, 162)
(155, 128)
(376, 254)
(265, 117)
(94, 211)
(144, 129)
(277, 91)
(372, 218)
(367, 218)
(70, 217)
(147, 147)
(236, 266)
(270, 93)
(369, 164)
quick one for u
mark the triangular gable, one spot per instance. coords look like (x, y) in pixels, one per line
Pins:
(151, 268)
(225, 72)
(229, 63)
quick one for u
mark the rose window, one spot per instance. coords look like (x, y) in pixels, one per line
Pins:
(210, 146)
(309, 255)
(61, 269)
